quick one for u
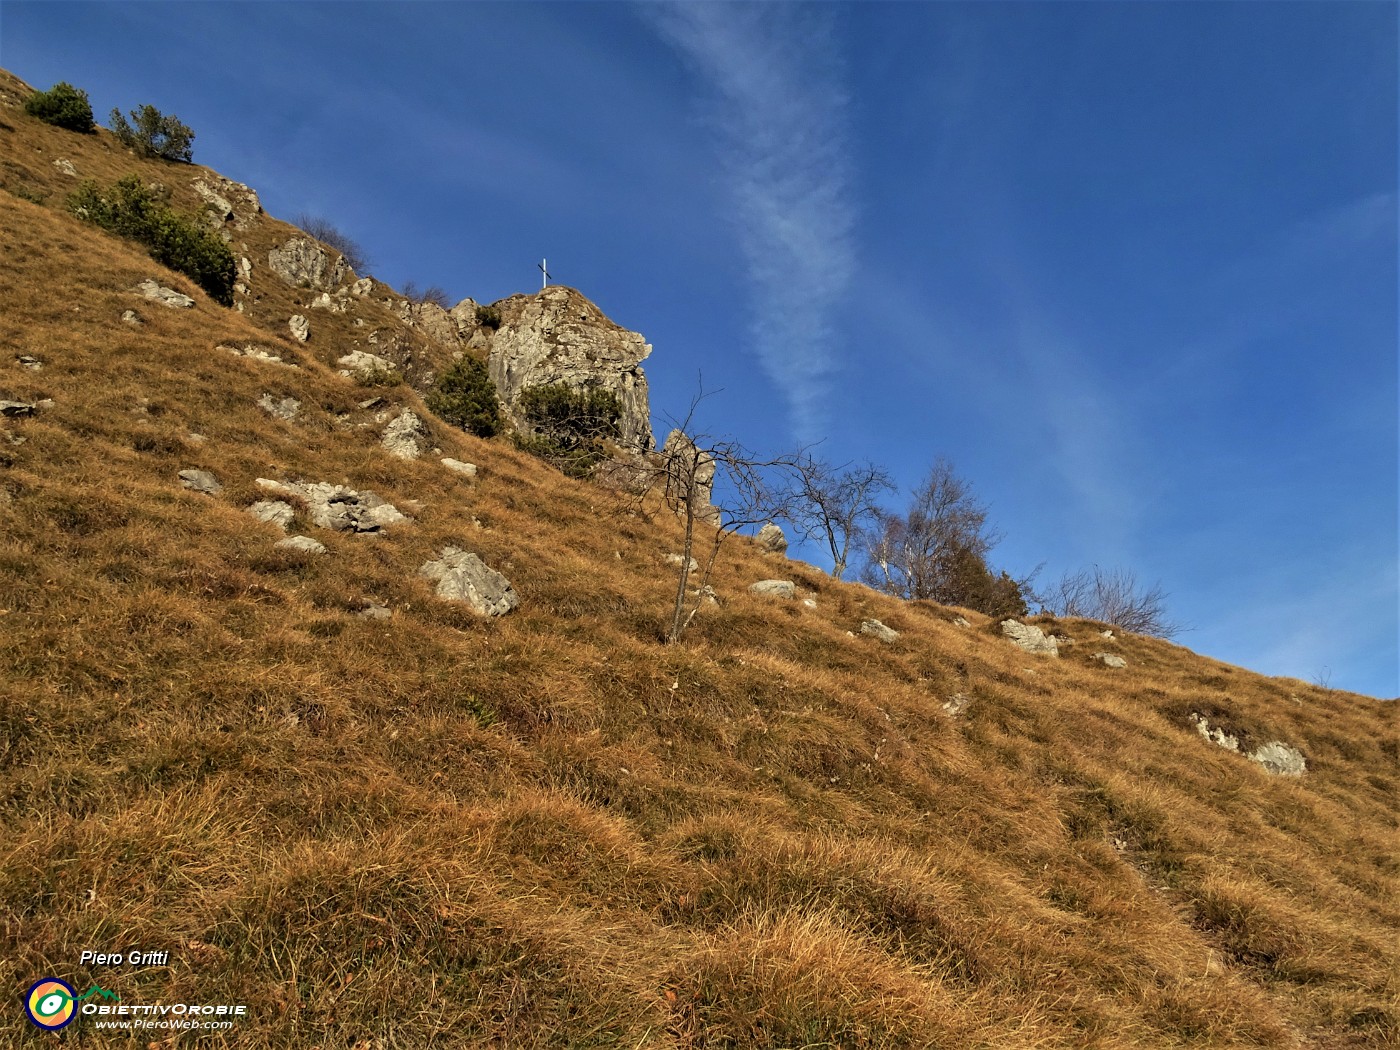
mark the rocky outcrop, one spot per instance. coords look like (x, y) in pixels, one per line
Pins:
(1032, 639)
(360, 365)
(304, 263)
(273, 512)
(876, 629)
(694, 469)
(774, 589)
(1275, 757)
(558, 336)
(228, 200)
(300, 328)
(771, 539)
(406, 435)
(463, 577)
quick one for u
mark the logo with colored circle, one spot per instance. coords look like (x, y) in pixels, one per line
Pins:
(50, 1003)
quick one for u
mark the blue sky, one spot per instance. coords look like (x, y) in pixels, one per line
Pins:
(1130, 266)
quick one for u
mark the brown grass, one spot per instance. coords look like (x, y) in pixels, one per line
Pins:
(552, 830)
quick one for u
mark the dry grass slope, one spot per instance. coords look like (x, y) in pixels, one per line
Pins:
(550, 830)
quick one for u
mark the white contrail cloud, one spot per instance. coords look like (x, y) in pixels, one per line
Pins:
(773, 80)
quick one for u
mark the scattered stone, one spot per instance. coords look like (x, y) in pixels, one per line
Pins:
(402, 436)
(1061, 641)
(961, 621)
(955, 704)
(1110, 660)
(771, 539)
(375, 612)
(337, 507)
(1105, 634)
(774, 589)
(676, 559)
(195, 439)
(257, 353)
(66, 167)
(132, 318)
(200, 481)
(165, 296)
(1032, 639)
(301, 261)
(362, 287)
(878, 630)
(469, 469)
(44, 403)
(337, 305)
(302, 543)
(300, 327)
(357, 364)
(287, 408)
(461, 576)
(809, 603)
(273, 511)
(1279, 759)
(707, 595)
(16, 409)
(31, 363)
(372, 403)
(1219, 737)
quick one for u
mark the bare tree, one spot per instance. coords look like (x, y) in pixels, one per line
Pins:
(327, 233)
(431, 294)
(1112, 596)
(834, 503)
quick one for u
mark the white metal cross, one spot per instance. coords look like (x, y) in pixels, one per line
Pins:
(544, 272)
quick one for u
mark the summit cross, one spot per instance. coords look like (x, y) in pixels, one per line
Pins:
(544, 273)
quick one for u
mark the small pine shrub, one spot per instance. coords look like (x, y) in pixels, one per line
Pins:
(488, 317)
(379, 376)
(63, 106)
(153, 134)
(466, 398)
(131, 209)
(568, 426)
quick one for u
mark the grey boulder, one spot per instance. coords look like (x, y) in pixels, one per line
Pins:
(463, 577)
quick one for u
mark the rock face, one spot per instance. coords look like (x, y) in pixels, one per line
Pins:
(337, 507)
(679, 446)
(405, 435)
(876, 629)
(463, 577)
(774, 589)
(558, 336)
(771, 539)
(1278, 758)
(358, 364)
(1031, 639)
(301, 328)
(301, 261)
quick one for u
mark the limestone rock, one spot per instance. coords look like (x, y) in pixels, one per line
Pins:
(273, 511)
(558, 336)
(214, 202)
(1032, 639)
(676, 559)
(955, 704)
(774, 589)
(876, 629)
(362, 287)
(468, 469)
(16, 409)
(228, 199)
(301, 328)
(809, 603)
(771, 539)
(432, 319)
(257, 353)
(31, 363)
(65, 167)
(1106, 634)
(461, 576)
(685, 462)
(165, 296)
(1279, 759)
(375, 612)
(1216, 736)
(1110, 660)
(358, 364)
(337, 507)
(200, 481)
(287, 408)
(304, 544)
(303, 262)
(130, 317)
(405, 434)
(961, 621)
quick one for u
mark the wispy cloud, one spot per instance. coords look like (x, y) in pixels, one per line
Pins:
(774, 99)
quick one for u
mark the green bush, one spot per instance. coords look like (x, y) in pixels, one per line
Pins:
(466, 398)
(131, 209)
(153, 134)
(569, 427)
(488, 317)
(63, 106)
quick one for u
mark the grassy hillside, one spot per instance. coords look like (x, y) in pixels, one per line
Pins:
(550, 829)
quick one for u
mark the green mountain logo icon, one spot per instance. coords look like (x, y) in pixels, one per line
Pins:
(95, 990)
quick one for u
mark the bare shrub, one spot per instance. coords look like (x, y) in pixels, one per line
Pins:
(1112, 596)
(330, 235)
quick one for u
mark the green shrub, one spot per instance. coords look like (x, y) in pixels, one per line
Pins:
(153, 134)
(569, 427)
(466, 398)
(488, 317)
(379, 376)
(131, 209)
(63, 106)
